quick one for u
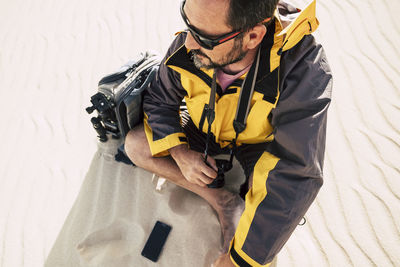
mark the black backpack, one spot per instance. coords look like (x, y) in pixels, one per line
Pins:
(119, 99)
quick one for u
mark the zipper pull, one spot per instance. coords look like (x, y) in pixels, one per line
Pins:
(280, 51)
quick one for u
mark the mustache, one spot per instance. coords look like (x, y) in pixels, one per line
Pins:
(198, 52)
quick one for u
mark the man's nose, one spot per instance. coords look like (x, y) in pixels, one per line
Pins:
(190, 42)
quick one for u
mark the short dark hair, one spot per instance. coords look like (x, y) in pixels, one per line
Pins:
(245, 14)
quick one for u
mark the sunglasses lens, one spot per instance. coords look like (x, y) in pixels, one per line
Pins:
(205, 43)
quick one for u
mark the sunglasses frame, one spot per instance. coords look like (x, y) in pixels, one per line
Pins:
(205, 42)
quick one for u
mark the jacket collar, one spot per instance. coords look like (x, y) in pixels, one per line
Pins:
(295, 23)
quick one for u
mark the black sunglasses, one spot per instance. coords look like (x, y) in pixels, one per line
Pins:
(203, 41)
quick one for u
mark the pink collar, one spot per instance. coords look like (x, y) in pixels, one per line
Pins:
(225, 79)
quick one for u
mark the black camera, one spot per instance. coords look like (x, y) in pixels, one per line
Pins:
(223, 166)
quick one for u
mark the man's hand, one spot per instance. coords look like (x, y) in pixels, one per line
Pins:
(223, 261)
(191, 163)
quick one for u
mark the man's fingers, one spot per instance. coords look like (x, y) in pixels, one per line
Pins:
(200, 183)
(195, 170)
(211, 161)
(209, 172)
(205, 179)
(208, 169)
(197, 178)
(201, 179)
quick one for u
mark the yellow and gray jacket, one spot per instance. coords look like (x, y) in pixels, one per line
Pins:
(288, 110)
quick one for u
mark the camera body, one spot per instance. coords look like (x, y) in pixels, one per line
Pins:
(223, 166)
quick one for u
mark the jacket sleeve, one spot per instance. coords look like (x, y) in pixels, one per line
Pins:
(288, 175)
(161, 104)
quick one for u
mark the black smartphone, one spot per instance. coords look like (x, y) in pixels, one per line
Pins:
(155, 242)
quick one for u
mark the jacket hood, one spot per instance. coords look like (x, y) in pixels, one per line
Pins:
(294, 23)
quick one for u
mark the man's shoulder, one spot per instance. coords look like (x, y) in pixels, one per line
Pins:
(177, 43)
(306, 51)
(305, 70)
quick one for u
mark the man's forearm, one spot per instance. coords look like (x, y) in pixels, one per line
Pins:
(178, 151)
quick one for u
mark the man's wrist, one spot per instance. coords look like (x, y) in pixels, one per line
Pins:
(177, 151)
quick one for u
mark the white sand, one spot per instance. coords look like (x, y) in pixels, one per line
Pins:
(52, 53)
(116, 210)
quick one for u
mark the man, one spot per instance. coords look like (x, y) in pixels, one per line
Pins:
(281, 144)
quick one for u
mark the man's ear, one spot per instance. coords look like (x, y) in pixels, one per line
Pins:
(255, 36)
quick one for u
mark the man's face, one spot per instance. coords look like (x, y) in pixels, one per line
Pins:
(208, 17)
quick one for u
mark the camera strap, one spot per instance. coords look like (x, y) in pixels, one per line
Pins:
(242, 110)
(210, 112)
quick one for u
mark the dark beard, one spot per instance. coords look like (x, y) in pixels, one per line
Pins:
(235, 55)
